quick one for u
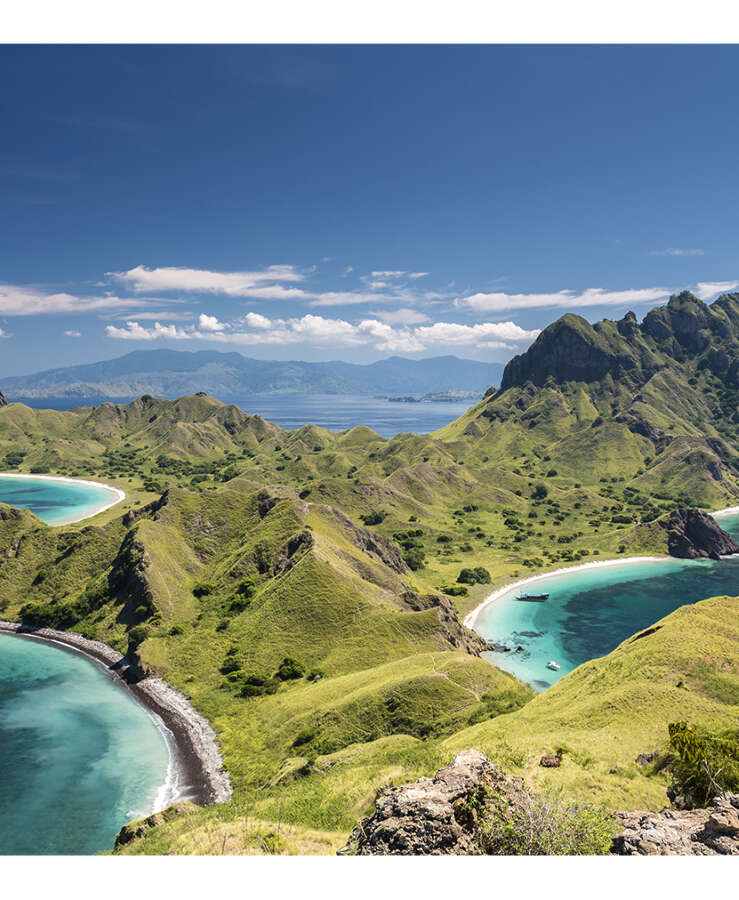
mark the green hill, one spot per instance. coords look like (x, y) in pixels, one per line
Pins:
(302, 587)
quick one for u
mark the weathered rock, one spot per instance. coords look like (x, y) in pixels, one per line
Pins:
(134, 830)
(696, 832)
(3, 401)
(551, 762)
(433, 816)
(643, 759)
(694, 534)
(371, 542)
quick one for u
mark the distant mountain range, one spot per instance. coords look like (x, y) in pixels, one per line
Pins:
(172, 373)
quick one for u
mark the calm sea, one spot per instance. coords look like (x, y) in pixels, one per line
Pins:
(336, 412)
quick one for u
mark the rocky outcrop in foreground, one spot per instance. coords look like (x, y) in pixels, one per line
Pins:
(433, 816)
(694, 534)
(694, 832)
(3, 401)
(446, 815)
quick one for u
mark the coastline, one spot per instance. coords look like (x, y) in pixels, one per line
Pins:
(196, 768)
(471, 618)
(119, 494)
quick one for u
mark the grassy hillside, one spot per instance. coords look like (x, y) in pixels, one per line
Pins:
(303, 588)
(609, 710)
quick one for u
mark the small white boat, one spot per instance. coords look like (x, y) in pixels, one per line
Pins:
(552, 665)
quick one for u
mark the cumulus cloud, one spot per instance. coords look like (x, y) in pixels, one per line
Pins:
(23, 301)
(136, 332)
(209, 323)
(73, 333)
(320, 331)
(497, 302)
(141, 279)
(705, 290)
(255, 320)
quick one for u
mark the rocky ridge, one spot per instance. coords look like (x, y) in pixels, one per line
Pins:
(694, 534)
(442, 815)
(695, 832)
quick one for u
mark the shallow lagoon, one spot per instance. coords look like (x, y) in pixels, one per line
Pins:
(80, 756)
(56, 501)
(590, 611)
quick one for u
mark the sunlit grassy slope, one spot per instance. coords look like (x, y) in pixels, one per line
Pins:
(240, 544)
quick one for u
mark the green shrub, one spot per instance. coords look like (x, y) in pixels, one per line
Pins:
(256, 684)
(176, 629)
(304, 736)
(702, 763)
(246, 587)
(540, 492)
(202, 588)
(375, 517)
(14, 459)
(546, 825)
(414, 558)
(290, 669)
(454, 590)
(478, 575)
(137, 635)
(239, 604)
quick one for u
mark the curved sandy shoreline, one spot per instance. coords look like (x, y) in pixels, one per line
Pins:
(198, 773)
(471, 618)
(119, 494)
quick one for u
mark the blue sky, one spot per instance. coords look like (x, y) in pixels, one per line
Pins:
(355, 202)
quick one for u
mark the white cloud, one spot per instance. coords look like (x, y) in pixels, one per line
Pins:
(482, 334)
(497, 302)
(348, 270)
(255, 320)
(2, 333)
(319, 331)
(23, 301)
(389, 273)
(417, 274)
(171, 278)
(400, 316)
(705, 290)
(135, 332)
(210, 323)
(73, 333)
(673, 251)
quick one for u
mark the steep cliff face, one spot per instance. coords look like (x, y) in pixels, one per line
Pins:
(693, 534)
(686, 329)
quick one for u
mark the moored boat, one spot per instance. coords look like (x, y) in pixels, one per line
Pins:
(537, 598)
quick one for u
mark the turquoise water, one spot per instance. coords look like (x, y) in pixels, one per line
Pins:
(80, 757)
(591, 611)
(55, 502)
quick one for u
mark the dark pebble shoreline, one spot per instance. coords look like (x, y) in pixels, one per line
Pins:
(201, 777)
